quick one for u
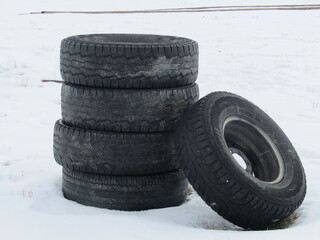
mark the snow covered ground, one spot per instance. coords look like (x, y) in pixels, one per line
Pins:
(269, 57)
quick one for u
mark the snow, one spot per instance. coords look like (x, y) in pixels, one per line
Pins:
(268, 57)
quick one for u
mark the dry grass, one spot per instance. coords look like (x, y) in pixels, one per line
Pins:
(289, 221)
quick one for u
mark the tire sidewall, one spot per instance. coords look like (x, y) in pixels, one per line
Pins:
(218, 110)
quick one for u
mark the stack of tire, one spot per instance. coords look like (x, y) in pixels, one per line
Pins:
(121, 99)
(130, 119)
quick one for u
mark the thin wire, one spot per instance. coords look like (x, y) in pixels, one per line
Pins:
(181, 11)
(251, 6)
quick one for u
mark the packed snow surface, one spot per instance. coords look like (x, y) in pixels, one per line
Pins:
(269, 57)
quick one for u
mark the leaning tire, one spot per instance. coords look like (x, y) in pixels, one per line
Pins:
(273, 184)
(125, 110)
(129, 60)
(113, 153)
(130, 193)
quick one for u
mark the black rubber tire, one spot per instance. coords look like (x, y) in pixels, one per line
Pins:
(125, 110)
(205, 137)
(129, 193)
(129, 60)
(113, 153)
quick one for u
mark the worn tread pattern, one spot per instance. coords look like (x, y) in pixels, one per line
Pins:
(230, 195)
(113, 153)
(125, 110)
(129, 61)
(129, 193)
